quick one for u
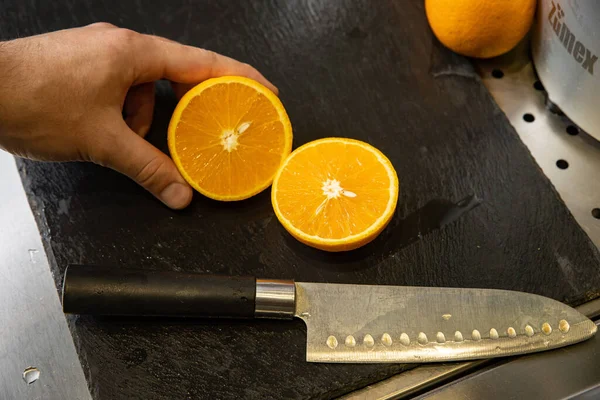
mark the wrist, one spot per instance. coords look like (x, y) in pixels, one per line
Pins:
(12, 101)
(7, 71)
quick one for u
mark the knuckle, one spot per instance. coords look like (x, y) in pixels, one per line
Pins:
(104, 25)
(148, 174)
(211, 56)
(125, 36)
(212, 60)
(250, 71)
(118, 48)
(120, 39)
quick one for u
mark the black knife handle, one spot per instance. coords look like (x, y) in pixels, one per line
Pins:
(116, 291)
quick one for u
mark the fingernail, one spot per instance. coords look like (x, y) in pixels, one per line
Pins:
(176, 195)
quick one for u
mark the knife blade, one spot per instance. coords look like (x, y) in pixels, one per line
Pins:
(365, 323)
(345, 323)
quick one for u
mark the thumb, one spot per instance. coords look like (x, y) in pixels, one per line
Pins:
(151, 168)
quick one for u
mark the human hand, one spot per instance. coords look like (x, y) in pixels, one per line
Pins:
(63, 95)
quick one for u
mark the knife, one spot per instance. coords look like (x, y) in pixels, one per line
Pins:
(345, 323)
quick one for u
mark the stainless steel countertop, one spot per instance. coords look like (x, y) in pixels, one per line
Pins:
(33, 329)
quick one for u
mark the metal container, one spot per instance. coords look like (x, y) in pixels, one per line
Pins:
(565, 46)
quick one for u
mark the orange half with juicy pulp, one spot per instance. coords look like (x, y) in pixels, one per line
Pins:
(335, 194)
(228, 136)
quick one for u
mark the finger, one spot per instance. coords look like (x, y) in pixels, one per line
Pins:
(133, 156)
(157, 58)
(139, 108)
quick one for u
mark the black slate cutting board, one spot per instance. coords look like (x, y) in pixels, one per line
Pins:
(363, 69)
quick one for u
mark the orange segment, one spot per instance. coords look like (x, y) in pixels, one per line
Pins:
(228, 136)
(335, 194)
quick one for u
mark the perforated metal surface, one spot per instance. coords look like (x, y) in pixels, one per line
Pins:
(569, 157)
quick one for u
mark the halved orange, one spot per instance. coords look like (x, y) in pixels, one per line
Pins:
(228, 136)
(335, 194)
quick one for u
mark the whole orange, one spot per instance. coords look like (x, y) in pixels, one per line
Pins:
(480, 28)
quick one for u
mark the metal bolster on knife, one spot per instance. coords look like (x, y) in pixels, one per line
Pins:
(275, 299)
